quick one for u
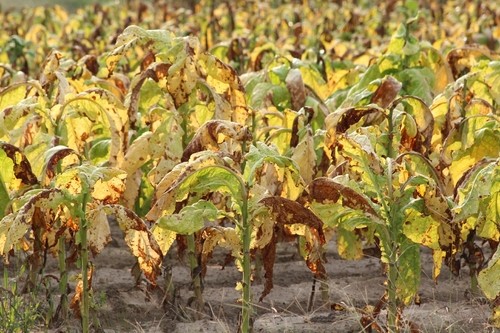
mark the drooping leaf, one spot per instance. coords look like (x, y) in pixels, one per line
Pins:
(408, 280)
(191, 218)
(304, 156)
(139, 239)
(46, 201)
(296, 87)
(227, 238)
(328, 190)
(22, 167)
(76, 300)
(98, 230)
(295, 217)
(213, 133)
(386, 92)
(53, 156)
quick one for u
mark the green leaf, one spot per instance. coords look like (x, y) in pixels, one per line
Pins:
(417, 82)
(408, 280)
(212, 179)
(488, 277)
(191, 218)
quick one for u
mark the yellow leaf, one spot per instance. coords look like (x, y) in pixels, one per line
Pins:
(304, 156)
(98, 232)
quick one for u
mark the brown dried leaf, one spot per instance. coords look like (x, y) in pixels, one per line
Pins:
(22, 167)
(295, 86)
(386, 92)
(218, 236)
(269, 257)
(139, 239)
(462, 59)
(211, 134)
(76, 300)
(291, 212)
(327, 190)
(45, 204)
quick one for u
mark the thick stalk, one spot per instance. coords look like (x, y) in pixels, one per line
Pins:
(84, 260)
(392, 300)
(195, 273)
(246, 310)
(63, 279)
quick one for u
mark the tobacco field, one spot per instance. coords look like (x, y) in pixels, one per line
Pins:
(250, 166)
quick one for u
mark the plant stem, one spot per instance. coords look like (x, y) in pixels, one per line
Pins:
(196, 276)
(392, 301)
(84, 259)
(63, 281)
(246, 310)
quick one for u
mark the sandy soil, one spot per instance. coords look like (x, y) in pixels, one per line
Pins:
(125, 307)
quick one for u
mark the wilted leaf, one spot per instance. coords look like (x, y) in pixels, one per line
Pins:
(488, 277)
(22, 167)
(98, 231)
(327, 190)
(139, 239)
(304, 156)
(227, 238)
(213, 133)
(52, 158)
(191, 218)
(296, 87)
(46, 201)
(76, 300)
(291, 215)
(386, 92)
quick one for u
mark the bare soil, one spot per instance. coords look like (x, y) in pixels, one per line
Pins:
(125, 307)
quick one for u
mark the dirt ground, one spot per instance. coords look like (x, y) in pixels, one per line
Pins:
(124, 307)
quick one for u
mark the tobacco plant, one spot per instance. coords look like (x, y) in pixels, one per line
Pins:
(224, 128)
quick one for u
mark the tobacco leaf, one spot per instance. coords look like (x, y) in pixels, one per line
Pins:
(47, 201)
(462, 59)
(304, 156)
(421, 118)
(291, 212)
(278, 173)
(76, 300)
(98, 230)
(139, 239)
(52, 158)
(386, 92)
(269, 258)
(295, 86)
(290, 215)
(190, 219)
(165, 192)
(328, 190)
(211, 134)
(22, 167)
(227, 238)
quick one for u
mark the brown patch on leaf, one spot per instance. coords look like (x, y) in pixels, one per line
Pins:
(55, 158)
(211, 134)
(22, 167)
(148, 59)
(288, 213)
(353, 115)
(327, 190)
(140, 241)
